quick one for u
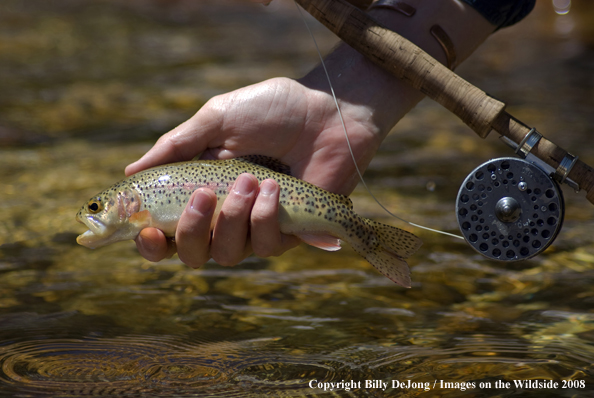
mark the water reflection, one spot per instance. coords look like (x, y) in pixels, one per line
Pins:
(87, 88)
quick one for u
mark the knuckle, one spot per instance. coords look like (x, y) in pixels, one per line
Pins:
(267, 247)
(225, 261)
(150, 250)
(152, 257)
(236, 206)
(227, 256)
(176, 145)
(265, 251)
(264, 214)
(193, 261)
(185, 230)
(214, 107)
(259, 218)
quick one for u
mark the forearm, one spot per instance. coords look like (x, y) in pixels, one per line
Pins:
(382, 99)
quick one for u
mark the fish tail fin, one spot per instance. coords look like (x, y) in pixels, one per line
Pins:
(386, 248)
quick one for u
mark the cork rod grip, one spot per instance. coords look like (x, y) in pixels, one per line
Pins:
(408, 62)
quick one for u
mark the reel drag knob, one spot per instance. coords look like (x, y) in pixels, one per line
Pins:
(509, 209)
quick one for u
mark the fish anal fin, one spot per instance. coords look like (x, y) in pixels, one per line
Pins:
(268, 162)
(321, 241)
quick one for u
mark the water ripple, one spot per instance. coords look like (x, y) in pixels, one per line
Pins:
(159, 366)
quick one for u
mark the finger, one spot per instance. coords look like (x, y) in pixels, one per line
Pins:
(192, 236)
(229, 242)
(266, 237)
(183, 142)
(153, 245)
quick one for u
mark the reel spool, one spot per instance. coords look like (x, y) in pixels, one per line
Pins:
(509, 209)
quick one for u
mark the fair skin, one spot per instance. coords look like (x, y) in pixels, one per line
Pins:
(295, 121)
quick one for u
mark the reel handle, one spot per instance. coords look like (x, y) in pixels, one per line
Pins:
(481, 112)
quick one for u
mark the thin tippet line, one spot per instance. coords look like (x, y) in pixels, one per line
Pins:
(349, 141)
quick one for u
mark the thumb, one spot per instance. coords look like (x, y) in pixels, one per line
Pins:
(183, 142)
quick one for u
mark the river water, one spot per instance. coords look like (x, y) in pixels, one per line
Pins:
(87, 87)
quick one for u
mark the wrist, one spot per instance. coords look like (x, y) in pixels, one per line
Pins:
(386, 99)
(414, 20)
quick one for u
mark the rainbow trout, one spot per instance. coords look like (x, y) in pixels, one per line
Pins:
(157, 197)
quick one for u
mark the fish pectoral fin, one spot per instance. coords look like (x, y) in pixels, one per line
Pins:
(325, 242)
(141, 219)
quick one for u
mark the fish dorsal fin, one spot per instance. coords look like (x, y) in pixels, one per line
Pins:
(268, 162)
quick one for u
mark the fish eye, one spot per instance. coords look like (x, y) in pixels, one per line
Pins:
(95, 206)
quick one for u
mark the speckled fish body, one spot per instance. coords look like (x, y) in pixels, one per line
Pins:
(157, 197)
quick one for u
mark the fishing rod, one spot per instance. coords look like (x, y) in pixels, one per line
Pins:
(509, 208)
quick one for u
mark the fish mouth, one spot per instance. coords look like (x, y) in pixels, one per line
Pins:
(95, 236)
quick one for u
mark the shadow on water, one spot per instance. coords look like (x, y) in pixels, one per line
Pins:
(87, 87)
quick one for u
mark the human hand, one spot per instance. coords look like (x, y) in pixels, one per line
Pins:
(296, 122)
(281, 118)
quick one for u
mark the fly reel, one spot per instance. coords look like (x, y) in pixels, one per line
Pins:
(509, 209)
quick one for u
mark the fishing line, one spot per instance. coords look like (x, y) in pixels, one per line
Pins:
(349, 141)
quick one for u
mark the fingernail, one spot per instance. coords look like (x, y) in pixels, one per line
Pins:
(268, 188)
(201, 203)
(243, 185)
